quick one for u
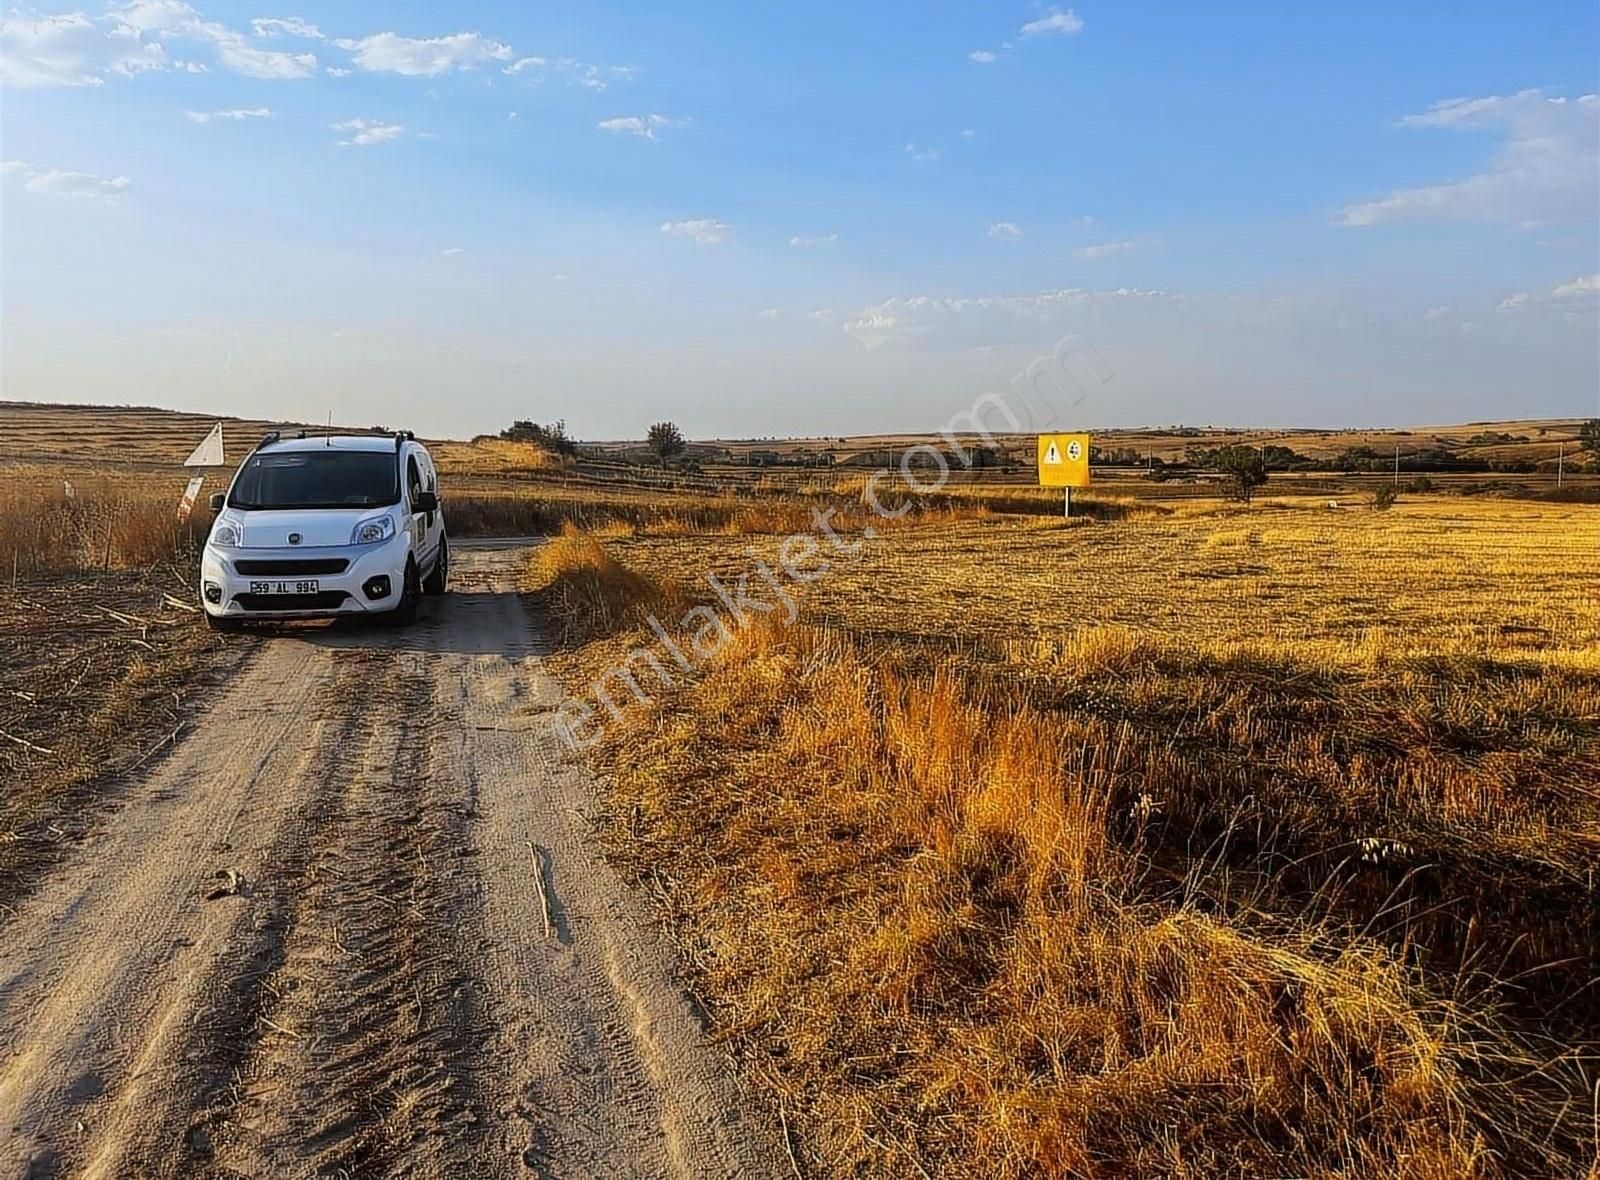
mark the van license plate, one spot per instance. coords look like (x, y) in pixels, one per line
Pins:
(301, 586)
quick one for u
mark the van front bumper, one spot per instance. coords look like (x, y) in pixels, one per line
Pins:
(298, 583)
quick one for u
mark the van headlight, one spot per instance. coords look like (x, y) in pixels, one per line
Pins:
(225, 535)
(370, 532)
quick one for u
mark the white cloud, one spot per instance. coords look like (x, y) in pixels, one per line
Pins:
(76, 184)
(967, 133)
(707, 231)
(573, 72)
(644, 126)
(873, 329)
(236, 113)
(81, 49)
(1103, 250)
(266, 63)
(800, 243)
(423, 57)
(337, 71)
(173, 19)
(72, 49)
(14, 166)
(922, 154)
(1562, 297)
(453, 251)
(821, 313)
(769, 313)
(1545, 168)
(368, 132)
(292, 26)
(1004, 231)
(1057, 22)
(983, 57)
(922, 315)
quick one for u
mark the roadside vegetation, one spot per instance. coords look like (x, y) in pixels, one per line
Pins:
(57, 522)
(1219, 841)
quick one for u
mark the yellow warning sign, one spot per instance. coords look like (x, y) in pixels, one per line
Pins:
(1064, 460)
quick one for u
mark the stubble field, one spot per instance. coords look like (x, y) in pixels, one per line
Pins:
(1204, 841)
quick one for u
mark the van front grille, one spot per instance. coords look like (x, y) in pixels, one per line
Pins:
(291, 565)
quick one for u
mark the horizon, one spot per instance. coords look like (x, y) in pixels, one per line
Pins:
(785, 225)
(1541, 422)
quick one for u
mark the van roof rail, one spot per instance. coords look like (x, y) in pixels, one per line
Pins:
(401, 437)
(271, 436)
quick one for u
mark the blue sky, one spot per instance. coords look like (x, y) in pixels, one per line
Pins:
(814, 219)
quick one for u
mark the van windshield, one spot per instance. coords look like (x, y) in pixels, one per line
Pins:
(317, 479)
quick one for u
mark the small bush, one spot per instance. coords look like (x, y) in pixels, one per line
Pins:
(1384, 498)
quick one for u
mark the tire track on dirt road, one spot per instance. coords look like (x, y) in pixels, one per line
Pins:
(378, 995)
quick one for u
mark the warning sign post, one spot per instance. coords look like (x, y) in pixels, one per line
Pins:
(1064, 463)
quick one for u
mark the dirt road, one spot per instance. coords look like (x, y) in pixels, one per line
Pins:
(312, 942)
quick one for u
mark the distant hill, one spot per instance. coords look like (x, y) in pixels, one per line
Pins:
(146, 435)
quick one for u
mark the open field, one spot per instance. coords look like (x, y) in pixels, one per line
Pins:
(1180, 838)
(1210, 841)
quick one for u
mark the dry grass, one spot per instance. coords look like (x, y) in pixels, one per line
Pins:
(589, 594)
(1239, 842)
(481, 510)
(105, 522)
(97, 673)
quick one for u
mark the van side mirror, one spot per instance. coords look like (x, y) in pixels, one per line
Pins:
(424, 501)
(219, 501)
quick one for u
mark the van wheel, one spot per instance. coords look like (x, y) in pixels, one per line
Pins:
(406, 613)
(436, 582)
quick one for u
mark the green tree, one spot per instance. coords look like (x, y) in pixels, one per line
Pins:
(552, 438)
(666, 440)
(1589, 438)
(1244, 470)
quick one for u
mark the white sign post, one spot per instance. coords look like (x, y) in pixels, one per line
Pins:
(190, 494)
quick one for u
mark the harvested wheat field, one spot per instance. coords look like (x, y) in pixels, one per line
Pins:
(1211, 841)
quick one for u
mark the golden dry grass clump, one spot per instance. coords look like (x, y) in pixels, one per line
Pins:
(1289, 880)
(51, 522)
(591, 594)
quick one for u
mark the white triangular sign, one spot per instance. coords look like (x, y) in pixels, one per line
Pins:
(1052, 455)
(208, 453)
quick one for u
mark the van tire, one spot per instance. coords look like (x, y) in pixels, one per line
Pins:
(436, 581)
(411, 590)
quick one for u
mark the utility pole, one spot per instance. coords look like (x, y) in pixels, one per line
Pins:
(1561, 459)
(1396, 464)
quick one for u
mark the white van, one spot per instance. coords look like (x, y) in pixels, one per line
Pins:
(322, 526)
